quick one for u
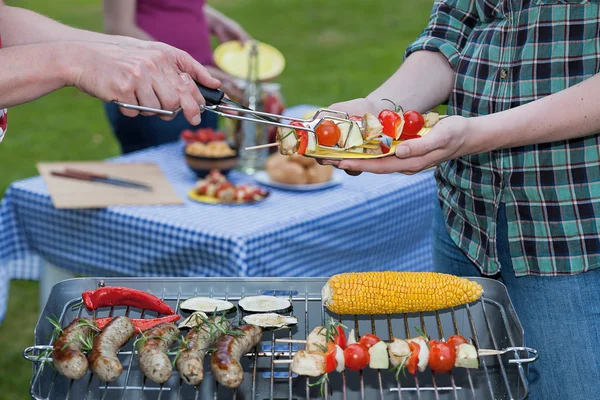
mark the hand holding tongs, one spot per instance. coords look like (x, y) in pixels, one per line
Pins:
(217, 103)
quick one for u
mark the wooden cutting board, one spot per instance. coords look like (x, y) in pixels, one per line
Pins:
(72, 193)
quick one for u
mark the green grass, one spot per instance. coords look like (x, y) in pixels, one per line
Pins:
(335, 50)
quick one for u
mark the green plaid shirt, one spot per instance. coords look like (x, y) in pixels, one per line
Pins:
(506, 53)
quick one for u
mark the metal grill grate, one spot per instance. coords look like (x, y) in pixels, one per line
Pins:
(491, 322)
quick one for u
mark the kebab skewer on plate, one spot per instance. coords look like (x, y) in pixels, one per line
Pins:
(368, 134)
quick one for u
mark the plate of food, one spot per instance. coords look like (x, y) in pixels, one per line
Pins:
(336, 135)
(216, 189)
(297, 173)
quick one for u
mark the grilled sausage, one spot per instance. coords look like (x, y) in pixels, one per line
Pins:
(103, 357)
(190, 362)
(67, 356)
(225, 362)
(154, 362)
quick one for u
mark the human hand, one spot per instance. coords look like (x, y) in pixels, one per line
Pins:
(448, 139)
(228, 83)
(149, 74)
(226, 29)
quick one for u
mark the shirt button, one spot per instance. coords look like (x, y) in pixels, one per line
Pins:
(503, 73)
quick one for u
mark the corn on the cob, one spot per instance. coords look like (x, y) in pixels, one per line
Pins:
(397, 292)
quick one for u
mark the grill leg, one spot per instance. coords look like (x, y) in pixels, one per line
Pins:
(50, 275)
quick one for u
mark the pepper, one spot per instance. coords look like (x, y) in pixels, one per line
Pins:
(122, 296)
(140, 324)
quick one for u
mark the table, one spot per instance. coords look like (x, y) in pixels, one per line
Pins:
(369, 222)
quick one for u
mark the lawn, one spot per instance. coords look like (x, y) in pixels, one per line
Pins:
(334, 49)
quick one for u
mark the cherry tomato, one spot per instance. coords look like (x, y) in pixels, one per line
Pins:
(340, 338)
(413, 123)
(441, 356)
(413, 360)
(369, 340)
(356, 356)
(328, 133)
(330, 362)
(456, 340)
(188, 135)
(389, 119)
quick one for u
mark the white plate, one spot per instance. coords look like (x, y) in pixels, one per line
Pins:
(263, 178)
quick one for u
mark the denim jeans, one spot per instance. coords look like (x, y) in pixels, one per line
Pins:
(141, 132)
(560, 316)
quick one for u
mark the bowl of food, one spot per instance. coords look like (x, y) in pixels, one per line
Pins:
(216, 155)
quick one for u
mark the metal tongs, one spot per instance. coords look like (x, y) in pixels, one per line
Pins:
(217, 103)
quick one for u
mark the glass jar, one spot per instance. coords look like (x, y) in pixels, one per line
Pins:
(262, 97)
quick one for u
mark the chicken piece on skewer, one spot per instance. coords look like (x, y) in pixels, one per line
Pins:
(306, 363)
(316, 342)
(399, 351)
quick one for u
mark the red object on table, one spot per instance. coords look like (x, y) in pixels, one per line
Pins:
(140, 324)
(122, 296)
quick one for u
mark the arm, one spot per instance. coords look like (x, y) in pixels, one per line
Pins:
(568, 114)
(19, 26)
(119, 19)
(224, 28)
(426, 77)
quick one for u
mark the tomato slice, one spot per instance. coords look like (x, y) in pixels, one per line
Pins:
(456, 340)
(389, 119)
(441, 356)
(413, 123)
(356, 356)
(413, 360)
(328, 133)
(369, 340)
(340, 338)
(330, 361)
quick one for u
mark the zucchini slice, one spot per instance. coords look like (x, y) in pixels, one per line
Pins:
(265, 304)
(207, 305)
(270, 320)
(194, 320)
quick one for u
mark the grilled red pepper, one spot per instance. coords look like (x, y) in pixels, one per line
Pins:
(302, 137)
(122, 296)
(140, 324)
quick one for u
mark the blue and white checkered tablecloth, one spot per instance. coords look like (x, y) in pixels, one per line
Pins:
(369, 222)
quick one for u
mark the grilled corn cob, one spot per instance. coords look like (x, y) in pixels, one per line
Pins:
(396, 292)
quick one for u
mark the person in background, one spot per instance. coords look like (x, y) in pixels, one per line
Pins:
(518, 166)
(39, 56)
(186, 25)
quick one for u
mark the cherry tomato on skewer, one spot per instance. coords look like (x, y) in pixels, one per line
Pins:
(356, 356)
(328, 133)
(413, 123)
(369, 340)
(441, 356)
(456, 340)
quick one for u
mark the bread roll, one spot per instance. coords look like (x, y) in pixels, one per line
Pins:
(289, 172)
(306, 162)
(319, 173)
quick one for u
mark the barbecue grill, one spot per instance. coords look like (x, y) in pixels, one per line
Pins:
(491, 322)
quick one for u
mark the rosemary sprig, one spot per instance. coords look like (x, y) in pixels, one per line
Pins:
(420, 332)
(77, 305)
(331, 329)
(53, 319)
(400, 367)
(321, 382)
(88, 323)
(87, 341)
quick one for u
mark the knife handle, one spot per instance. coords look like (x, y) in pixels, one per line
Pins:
(212, 96)
(73, 175)
(89, 175)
